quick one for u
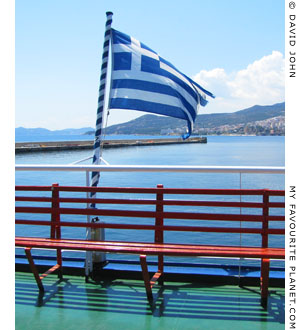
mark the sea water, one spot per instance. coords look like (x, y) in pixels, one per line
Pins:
(218, 151)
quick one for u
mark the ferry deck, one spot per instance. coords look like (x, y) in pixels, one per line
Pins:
(119, 302)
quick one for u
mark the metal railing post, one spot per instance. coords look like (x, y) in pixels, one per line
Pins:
(159, 222)
(88, 254)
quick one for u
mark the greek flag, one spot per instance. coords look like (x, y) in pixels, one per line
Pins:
(142, 80)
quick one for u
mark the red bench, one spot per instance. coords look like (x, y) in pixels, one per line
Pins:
(55, 201)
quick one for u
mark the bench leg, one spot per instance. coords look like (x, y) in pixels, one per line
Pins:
(146, 277)
(59, 263)
(264, 281)
(34, 269)
(160, 269)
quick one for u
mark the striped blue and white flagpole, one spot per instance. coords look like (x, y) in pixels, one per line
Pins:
(100, 109)
(93, 258)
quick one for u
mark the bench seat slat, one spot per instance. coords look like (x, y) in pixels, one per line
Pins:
(152, 248)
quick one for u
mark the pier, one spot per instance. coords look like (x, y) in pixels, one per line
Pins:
(73, 145)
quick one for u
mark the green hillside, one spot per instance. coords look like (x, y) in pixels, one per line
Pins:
(152, 124)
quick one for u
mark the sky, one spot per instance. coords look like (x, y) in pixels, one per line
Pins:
(235, 49)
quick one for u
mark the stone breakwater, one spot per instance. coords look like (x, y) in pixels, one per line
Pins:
(73, 145)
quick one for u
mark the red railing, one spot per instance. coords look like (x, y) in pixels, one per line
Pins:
(159, 213)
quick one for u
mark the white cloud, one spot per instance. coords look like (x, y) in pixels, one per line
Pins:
(262, 82)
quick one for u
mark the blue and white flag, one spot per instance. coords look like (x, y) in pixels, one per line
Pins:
(142, 80)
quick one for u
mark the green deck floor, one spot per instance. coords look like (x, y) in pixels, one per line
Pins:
(122, 304)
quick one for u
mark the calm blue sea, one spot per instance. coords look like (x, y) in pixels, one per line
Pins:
(219, 150)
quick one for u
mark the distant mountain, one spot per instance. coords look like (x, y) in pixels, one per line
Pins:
(43, 131)
(234, 122)
(152, 124)
(255, 113)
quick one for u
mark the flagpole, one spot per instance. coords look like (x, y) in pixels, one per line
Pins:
(102, 88)
(99, 258)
